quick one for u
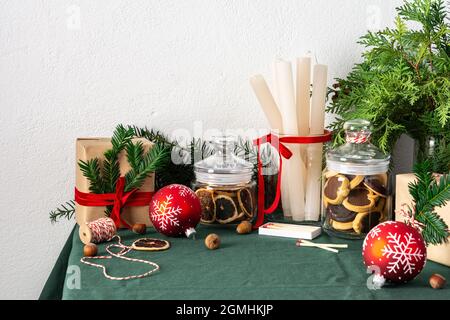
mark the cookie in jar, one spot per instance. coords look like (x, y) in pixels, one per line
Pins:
(224, 185)
(356, 191)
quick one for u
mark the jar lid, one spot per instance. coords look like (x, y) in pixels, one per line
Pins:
(358, 156)
(224, 167)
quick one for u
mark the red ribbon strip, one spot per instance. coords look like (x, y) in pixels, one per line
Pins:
(284, 152)
(118, 200)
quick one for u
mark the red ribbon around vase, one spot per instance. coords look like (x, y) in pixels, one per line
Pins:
(283, 152)
(118, 200)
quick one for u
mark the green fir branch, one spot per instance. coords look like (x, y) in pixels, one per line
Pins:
(135, 154)
(64, 211)
(91, 171)
(155, 158)
(428, 194)
(111, 171)
(435, 231)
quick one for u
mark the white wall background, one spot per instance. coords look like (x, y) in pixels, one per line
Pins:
(78, 68)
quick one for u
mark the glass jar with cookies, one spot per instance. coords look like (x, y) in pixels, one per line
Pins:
(224, 185)
(356, 191)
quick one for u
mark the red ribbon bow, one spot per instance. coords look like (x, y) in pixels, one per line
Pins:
(118, 200)
(283, 152)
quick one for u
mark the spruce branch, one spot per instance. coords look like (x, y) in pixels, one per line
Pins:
(111, 170)
(91, 171)
(66, 210)
(429, 194)
(155, 158)
(135, 154)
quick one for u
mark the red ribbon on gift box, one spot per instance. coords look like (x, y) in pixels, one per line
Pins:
(283, 152)
(118, 200)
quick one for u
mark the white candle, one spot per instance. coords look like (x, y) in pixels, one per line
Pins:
(295, 165)
(314, 151)
(267, 102)
(303, 103)
(303, 92)
(285, 173)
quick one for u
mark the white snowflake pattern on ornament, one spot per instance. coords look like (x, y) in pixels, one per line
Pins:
(164, 213)
(375, 232)
(401, 252)
(183, 191)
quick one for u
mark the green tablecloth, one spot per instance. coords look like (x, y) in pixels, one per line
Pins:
(245, 267)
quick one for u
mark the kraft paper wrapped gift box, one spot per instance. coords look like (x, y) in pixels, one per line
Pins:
(440, 253)
(89, 148)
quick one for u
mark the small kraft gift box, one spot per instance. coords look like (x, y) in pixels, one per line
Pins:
(439, 253)
(89, 148)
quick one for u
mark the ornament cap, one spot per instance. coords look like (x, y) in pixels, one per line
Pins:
(190, 233)
(379, 281)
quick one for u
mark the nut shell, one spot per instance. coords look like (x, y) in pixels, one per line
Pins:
(139, 228)
(90, 250)
(244, 227)
(212, 241)
(437, 281)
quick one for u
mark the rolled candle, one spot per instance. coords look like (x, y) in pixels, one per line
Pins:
(303, 94)
(285, 173)
(303, 103)
(267, 102)
(285, 202)
(314, 161)
(318, 99)
(295, 165)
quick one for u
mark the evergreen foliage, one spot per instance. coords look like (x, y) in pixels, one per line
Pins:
(403, 83)
(428, 194)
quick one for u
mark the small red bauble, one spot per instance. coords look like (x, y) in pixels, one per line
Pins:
(175, 210)
(395, 251)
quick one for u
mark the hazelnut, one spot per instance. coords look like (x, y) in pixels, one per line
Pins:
(437, 281)
(90, 250)
(244, 227)
(212, 241)
(139, 228)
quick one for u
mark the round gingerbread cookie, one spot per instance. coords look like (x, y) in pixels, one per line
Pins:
(365, 221)
(341, 226)
(376, 186)
(355, 180)
(340, 213)
(336, 189)
(360, 200)
(150, 244)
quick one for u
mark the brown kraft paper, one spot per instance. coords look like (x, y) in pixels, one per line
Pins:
(89, 148)
(439, 253)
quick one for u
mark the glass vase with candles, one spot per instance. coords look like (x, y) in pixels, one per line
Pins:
(356, 193)
(224, 184)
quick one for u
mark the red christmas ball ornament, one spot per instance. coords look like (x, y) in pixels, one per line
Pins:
(395, 251)
(175, 210)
